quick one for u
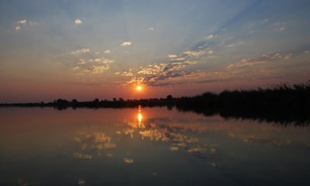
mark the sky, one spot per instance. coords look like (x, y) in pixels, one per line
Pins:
(78, 49)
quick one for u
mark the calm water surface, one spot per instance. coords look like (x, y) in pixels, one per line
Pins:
(148, 146)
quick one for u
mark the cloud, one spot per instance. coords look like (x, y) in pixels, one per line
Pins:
(210, 36)
(156, 74)
(194, 53)
(83, 50)
(32, 23)
(128, 160)
(151, 29)
(92, 63)
(211, 51)
(174, 148)
(127, 73)
(259, 60)
(101, 60)
(24, 21)
(234, 44)
(78, 21)
(76, 68)
(180, 59)
(82, 156)
(81, 62)
(174, 70)
(96, 60)
(107, 52)
(94, 66)
(280, 26)
(127, 43)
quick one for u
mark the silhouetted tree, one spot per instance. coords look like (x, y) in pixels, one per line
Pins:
(169, 97)
(74, 101)
(96, 100)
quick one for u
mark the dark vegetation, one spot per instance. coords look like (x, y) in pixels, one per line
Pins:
(281, 103)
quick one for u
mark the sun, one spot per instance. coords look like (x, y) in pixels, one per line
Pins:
(139, 88)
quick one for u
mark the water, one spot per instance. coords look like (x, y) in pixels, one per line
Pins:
(148, 146)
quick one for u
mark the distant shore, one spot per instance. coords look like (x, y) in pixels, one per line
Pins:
(281, 103)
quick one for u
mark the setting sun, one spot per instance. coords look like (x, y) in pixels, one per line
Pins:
(139, 88)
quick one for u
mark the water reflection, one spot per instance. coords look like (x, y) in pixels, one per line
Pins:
(89, 142)
(178, 135)
(139, 115)
(174, 133)
(145, 146)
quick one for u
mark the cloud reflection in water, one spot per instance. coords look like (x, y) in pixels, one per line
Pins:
(174, 133)
(179, 138)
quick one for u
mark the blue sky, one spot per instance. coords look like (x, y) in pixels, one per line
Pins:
(86, 49)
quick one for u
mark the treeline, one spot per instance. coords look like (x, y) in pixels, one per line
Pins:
(281, 103)
(62, 104)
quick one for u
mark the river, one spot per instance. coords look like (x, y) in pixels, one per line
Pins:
(148, 146)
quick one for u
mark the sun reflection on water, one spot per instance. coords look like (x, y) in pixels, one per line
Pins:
(179, 137)
(139, 115)
(175, 133)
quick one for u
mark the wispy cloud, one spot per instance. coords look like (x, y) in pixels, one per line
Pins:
(128, 160)
(234, 44)
(127, 73)
(126, 43)
(81, 62)
(85, 62)
(97, 69)
(78, 21)
(157, 74)
(247, 62)
(94, 66)
(172, 56)
(174, 71)
(280, 26)
(75, 68)
(210, 36)
(24, 21)
(101, 60)
(194, 53)
(180, 59)
(107, 51)
(83, 50)
(32, 23)
(211, 51)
